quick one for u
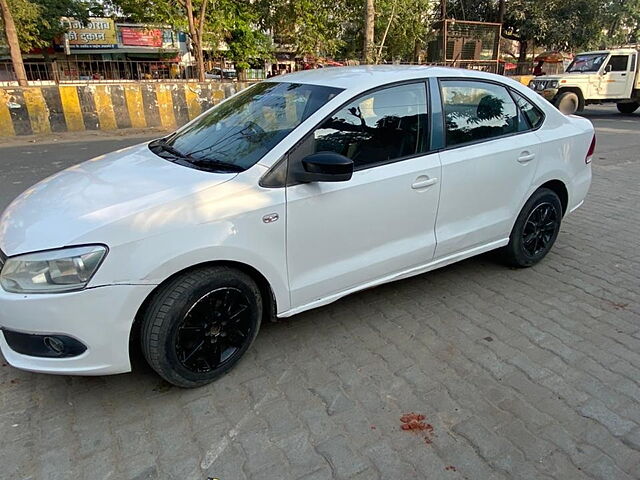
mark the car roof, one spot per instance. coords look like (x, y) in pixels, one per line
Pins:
(611, 50)
(365, 77)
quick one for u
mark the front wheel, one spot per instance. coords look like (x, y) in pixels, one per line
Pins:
(627, 108)
(535, 230)
(199, 325)
(568, 103)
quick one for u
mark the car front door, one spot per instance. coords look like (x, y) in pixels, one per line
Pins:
(342, 235)
(616, 80)
(488, 163)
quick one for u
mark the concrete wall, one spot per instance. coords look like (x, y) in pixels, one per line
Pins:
(65, 108)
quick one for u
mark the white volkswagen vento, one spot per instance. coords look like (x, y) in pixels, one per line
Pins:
(287, 196)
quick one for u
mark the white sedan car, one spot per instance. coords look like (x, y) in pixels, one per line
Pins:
(287, 196)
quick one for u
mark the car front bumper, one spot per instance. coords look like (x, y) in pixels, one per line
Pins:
(100, 318)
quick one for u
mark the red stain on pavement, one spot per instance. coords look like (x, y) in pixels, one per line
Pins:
(415, 422)
(451, 468)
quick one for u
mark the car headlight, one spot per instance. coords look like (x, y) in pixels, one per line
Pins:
(52, 271)
(552, 84)
(532, 85)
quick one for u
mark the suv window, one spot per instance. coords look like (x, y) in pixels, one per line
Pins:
(475, 111)
(376, 128)
(618, 63)
(533, 115)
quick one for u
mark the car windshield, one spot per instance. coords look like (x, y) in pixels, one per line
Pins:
(587, 63)
(234, 135)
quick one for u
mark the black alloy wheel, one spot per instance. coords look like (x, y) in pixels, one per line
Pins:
(213, 330)
(539, 229)
(535, 230)
(200, 323)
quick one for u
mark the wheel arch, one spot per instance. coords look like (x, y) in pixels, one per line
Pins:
(266, 291)
(560, 189)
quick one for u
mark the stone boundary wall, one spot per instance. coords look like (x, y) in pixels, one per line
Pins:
(70, 108)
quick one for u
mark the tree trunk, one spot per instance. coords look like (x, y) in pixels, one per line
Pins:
(196, 41)
(369, 22)
(501, 11)
(14, 45)
(522, 57)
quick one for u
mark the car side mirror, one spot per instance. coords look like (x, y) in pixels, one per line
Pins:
(325, 167)
(608, 69)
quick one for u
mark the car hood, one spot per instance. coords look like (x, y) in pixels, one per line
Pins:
(66, 208)
(566, 76)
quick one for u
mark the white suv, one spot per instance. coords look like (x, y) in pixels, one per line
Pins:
(285, 197)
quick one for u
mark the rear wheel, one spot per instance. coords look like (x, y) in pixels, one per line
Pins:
(200, 324)
(568, 103)
(628, 107)
(535, 230)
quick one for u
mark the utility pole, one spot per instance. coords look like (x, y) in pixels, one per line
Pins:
(443, 9)
(369, 22)
(14, 45)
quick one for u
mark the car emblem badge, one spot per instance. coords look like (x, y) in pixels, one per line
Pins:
(270, 218)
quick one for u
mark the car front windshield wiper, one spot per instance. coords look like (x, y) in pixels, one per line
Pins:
(213, 165)
(210, 165)
(164, 146)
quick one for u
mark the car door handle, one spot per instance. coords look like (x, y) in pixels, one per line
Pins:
(623, 74)
(526, 157)
(423, 182)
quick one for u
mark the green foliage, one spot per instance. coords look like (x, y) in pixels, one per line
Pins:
(409, 27)
(244, 40)
(26, 16)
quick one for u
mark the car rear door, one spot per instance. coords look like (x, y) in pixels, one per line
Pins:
(488, 162)
(343, 235)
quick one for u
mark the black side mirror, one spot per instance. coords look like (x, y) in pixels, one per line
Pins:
(325, 167)
(608, 68)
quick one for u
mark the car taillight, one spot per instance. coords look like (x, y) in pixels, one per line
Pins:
(592, 148)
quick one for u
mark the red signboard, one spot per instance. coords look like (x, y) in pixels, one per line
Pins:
(141, 37)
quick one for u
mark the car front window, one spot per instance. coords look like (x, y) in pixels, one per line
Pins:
(587, 63)
(240, 131)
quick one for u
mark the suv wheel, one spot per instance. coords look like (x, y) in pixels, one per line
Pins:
(535, 230)
(199, 325)
(628, 107)
(568, 103)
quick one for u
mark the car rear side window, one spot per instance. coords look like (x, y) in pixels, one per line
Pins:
(377, 128)
(476, 111)
(533, 115)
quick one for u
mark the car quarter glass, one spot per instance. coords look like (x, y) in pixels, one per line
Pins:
(475, 111)
(534, 116)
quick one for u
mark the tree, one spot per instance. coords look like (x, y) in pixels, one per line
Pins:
(13, 42)
(245, 42)
(409, 27)
(311, 27)
(369, 31)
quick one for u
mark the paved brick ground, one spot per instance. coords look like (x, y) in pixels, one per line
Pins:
(523, 374)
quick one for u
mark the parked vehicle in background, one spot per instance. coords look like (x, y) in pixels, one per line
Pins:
(595, 77)
(285, 197)
(221, 73)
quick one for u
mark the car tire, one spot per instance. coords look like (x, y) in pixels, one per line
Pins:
(568, 103)
(627, 108)
(199, 325)
(535, 230)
